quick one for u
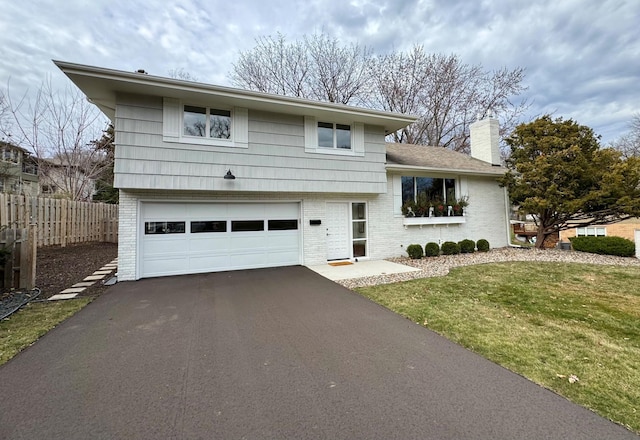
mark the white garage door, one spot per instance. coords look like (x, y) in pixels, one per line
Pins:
(181, 238)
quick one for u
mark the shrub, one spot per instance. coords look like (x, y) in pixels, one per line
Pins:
(414, 251)
(467, 246)
(604, 245)
(432, 249)
(483, 245)
(450, 248)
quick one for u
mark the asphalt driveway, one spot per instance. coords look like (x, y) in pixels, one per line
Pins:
(267, 354)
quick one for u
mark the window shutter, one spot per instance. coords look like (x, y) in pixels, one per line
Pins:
(357, 138)
(171, 120)
(310, 134)
(240, 121)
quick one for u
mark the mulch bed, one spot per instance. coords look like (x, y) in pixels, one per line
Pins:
(60, 267)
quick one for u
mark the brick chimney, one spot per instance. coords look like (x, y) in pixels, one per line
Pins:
(485, 140)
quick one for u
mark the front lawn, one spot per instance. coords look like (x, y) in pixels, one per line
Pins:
(573, 328)
(24, 327)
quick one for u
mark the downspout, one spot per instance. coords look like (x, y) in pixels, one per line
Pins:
(507, 206)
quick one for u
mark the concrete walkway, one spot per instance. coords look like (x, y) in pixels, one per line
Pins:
(267, 354)
(361, 269)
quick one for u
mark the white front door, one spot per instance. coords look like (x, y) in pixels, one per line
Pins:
(338, 241)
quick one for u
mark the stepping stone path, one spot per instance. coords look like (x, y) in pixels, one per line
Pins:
(89, 281)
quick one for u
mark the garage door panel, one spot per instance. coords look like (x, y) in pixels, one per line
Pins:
(206, 251)
(281, 211)
(164, 246)
(284, 257)
(209, 243)
(204, 263)
(165, 266)
(247, 260)
(246, 241)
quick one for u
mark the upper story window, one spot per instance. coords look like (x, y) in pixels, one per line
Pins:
(30, 168)
(186, 123)
(10, 155)
(334, 135)
(206, 122)
(333, 138)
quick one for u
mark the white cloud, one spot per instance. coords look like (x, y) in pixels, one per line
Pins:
(581, 57)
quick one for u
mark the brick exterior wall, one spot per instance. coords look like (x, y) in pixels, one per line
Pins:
(625, 229)
(486, 218)
(387, 237)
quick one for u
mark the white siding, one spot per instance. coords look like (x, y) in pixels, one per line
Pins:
(275, 160)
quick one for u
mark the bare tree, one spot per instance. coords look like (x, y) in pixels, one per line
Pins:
(447, 94)
(180, 73)
(57, 128)
(317, 67)
(339, 73)
(5, 117)
(629, 143)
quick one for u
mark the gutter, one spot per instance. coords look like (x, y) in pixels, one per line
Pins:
(394, 167)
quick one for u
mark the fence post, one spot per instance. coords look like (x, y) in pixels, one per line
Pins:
(28, 257)
(63, 222)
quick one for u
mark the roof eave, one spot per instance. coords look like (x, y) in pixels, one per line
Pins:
(101, 85)
(398, 167)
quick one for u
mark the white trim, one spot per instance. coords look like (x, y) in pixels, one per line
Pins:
(595, 230)
(367, 239)
(461, 187)
(311, 138)
(434, 221)
(101, 86)
(417, 169)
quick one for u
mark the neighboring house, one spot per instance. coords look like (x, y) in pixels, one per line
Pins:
(18, 170)
(60, 179)
(625, 229)
(213, 178)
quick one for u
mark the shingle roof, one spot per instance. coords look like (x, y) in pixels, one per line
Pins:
(438, 158)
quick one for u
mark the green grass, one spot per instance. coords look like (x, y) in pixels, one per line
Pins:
(24, 327)
(545, 321)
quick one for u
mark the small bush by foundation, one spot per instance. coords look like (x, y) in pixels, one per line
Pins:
(483, 245)
(415, 251)
(432, 249)
(450, 248)
(467, 246)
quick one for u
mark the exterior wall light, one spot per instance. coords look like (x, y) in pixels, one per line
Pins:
(229, 175)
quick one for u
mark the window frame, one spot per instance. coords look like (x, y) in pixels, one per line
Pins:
(173, 110)
(311, 144)
(596, 229)
(456, 187)
(335, 126)
(207, 138)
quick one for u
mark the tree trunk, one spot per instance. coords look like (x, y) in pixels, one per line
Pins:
(540, 237)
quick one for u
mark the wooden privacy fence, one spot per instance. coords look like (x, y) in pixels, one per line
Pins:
(18, 258)
(60, 222)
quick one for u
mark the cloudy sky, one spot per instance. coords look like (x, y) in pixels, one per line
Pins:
(582, 57)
